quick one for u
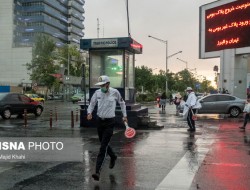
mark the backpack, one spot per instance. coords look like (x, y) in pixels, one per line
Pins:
(177, 101)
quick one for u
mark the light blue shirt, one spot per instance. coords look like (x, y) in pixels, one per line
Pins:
(107, 103)
(191, 101)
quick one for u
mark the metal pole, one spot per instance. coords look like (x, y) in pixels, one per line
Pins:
(128, 21)
(68, 60)
(166, 66)
(25, 118)
(165, 42)
(50, 120)
(72, 119)
(67, 88)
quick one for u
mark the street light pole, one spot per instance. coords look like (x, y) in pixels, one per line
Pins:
(183, 61)
(165, 42)
(129, 35)
(166, 66)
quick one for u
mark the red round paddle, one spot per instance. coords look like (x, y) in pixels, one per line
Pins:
(129, 132)
(194, 117)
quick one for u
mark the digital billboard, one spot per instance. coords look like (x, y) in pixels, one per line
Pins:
(225, 26)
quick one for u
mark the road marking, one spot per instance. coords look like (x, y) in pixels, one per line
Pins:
(3, 169)
(182, 175)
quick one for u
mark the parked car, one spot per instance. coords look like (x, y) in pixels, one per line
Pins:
(77, 97)
(35, 97)
(55, 97)
(16, 103)
(221, 104)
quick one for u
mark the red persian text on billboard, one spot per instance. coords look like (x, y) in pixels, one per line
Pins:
(227, 26)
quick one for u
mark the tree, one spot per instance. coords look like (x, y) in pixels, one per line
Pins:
(70, 54)
(161, 81)
(182, 80)
(206, 85)
(144, 77)
(42, 63)
(177, 82)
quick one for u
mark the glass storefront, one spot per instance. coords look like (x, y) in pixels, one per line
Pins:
(107, 62)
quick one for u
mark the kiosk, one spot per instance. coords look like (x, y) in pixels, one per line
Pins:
(114, 57)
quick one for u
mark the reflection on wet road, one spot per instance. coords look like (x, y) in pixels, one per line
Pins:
(216, 156)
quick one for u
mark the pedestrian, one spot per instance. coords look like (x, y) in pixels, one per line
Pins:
(170, 99)
(177, 101)
(163, 101)
(106, 97)
(190, 108)
(246, 113)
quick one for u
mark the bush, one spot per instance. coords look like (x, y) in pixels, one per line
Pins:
(145, 98)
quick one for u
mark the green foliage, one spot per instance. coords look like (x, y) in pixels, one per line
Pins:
(177, 82)
(72, 55)
(145, 97)
(143, 78)
(56, 85)
(42, 63)
(47, 58)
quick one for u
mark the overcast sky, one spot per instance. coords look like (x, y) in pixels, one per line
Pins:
(176, 21)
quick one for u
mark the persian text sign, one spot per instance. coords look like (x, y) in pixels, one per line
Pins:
(227, 26)
(104, 43)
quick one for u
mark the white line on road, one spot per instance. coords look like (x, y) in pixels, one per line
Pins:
(3, 169)
(182, 175)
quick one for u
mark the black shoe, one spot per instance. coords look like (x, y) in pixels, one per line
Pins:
(112, 162)
(189, 129)
(96, 176)
(242, 128)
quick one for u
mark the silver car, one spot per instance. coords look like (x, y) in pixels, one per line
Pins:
(221, 104)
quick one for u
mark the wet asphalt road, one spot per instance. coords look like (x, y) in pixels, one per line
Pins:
(215, 157)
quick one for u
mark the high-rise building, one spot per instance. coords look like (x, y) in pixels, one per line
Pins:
(21, 20)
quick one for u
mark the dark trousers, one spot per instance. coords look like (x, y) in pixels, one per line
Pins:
(246, 119)
(190, 121)
(105, 131)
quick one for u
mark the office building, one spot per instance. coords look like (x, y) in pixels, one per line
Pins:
(21, 20)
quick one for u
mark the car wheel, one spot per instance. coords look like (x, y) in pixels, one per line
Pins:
(38, 111)
(234, 112)
(6, 114)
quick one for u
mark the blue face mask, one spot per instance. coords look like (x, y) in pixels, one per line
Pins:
(104, 89)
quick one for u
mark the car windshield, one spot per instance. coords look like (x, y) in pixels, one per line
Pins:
(2, 95)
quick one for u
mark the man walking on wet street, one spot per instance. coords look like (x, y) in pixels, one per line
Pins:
(246, 113)
(106, 98)
(191, 106)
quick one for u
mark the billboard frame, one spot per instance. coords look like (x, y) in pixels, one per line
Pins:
(213, 54)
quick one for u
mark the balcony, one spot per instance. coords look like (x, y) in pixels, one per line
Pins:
(42, 29)
(65, 2)
(76, 23)
(77, 32)
(77, 15)
(41, 8)
(53, 4)
(82, 2)
(76, 6)
(57, 6)
(36, 8)
(42, 19)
